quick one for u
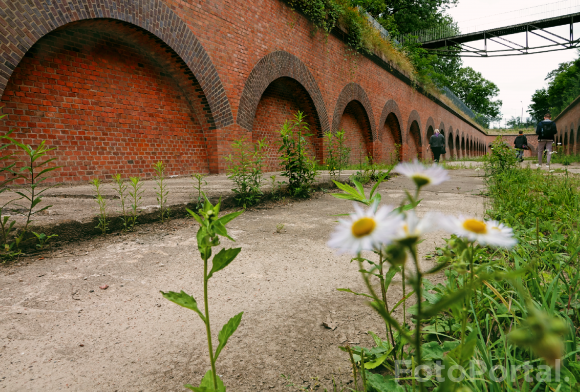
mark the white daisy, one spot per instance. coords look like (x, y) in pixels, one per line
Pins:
(421, 174)
(365, 230)
(412, 228)
(490, 233)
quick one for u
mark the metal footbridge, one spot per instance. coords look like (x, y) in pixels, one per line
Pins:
(530, 37)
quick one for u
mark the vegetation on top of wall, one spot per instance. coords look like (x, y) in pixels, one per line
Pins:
(362, 37)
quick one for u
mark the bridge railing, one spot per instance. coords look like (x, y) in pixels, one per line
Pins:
(510, 18)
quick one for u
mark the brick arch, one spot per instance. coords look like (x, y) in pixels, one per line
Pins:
(457, 144)
(273, 66)
(413, 137)
(450, 142)
(354, 92)
(390, 107)
(391, 132)
(429, 123)
(150, 15)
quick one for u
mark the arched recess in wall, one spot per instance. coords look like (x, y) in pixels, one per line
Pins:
(413, 139)
(353, 113)
(565, 143)
(113, 97)
(121, 42)
(430, 125)
(279, 85)
(390, 133)
(457, 144)
(572, 141)
(463, 151)
(450, 144)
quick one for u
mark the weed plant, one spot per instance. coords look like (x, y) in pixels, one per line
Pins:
(211, 228)
(198, 182)
(6, 221)
(135, 193)
(103, 217)
(337, 154)
(297, 166)
(121, 188)
(161, 190)
(34, 173)
(245, 169)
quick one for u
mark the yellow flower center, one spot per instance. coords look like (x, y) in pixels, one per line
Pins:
(421, 180)
(475, 226)
(363, 226)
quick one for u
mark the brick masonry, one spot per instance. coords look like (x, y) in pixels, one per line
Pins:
(118, 84)
(568, 124)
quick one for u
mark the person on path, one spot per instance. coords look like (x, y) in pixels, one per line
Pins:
(519, 143)
(437, 144)
(545, 130)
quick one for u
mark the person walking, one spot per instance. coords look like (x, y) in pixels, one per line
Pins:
(437, 144)
(521, 144)
(545, 130)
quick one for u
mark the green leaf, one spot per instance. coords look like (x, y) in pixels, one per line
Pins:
(224, 220)
(227, 331)
(185, 300)
(223, 259)
(352, 292)
(207, 384)
(220, 229)
(444, 303)
(195, 216)
(379, 383)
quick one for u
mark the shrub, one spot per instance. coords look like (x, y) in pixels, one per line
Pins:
(245, 169)
(297, 166)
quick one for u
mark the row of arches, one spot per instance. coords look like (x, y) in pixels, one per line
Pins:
(568, 139)
(115, 93)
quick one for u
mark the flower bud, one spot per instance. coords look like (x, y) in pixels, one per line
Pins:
(396, 255)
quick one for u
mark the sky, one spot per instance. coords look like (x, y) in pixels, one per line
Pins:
(517, 77)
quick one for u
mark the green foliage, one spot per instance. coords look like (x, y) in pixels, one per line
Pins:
(6, 221)
(297, 166)
(563, 88)
(161, 190)
(102, 203)
(245, 169)
(337, 154)
(135, 194)
(43, 239)
(199, 181)
(212, 227)
(476, 92)
(121, 188)
(501, 157)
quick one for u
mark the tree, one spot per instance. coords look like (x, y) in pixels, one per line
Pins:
(540, 104)
(476, 92)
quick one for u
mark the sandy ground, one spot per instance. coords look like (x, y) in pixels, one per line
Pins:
(60, 331)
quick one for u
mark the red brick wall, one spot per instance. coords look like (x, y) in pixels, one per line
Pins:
(568, 124)
(104, 104)
(391, 140)
(355, 125)
(280, 102)
(219, 57)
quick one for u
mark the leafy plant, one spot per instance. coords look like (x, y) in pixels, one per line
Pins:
(297, 166)
(277, 188)
(34, 173)
(102, 203)
(6, 221)
(245, 169)
(211, 228)
(121, 188)
(135, 194)
(199, 181)
(161, 190)
(43, 239)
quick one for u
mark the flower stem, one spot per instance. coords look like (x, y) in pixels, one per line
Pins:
(384, 295)
(418, 293)
(207, 325)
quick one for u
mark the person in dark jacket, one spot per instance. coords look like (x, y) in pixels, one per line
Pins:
(545, 130)
(519, 143)
(437, 144)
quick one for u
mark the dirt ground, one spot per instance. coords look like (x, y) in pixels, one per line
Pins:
(60, 331)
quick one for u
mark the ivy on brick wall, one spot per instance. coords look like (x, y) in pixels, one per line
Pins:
(360, 35)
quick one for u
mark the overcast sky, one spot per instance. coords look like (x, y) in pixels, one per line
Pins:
(518, 76)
